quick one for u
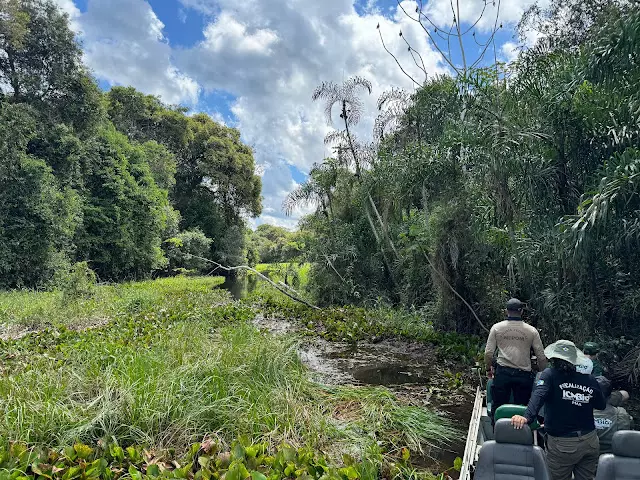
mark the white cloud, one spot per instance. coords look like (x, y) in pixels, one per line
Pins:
(270, 55)
(124, 45)
(480, 11)
(510, 51)
(226, 33)
(307, 43)
(70, 8)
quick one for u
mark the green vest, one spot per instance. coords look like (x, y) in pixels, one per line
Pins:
(597, 368)
(608, 422)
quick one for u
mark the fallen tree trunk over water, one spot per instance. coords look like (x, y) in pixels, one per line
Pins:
(219, 266)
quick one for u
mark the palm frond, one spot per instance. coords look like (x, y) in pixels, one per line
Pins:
(335, 137)
(393, 96)
(303, 195)
(356, 83)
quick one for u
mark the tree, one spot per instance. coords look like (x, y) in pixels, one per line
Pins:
(187, 251)
(41, 60)
(124, 212)
(215, 182)
(37, 219)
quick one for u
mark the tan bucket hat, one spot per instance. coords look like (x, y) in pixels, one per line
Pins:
(565, 350)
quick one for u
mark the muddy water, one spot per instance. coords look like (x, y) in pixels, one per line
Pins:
(409, 369)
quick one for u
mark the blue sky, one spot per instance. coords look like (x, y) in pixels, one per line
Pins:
(253, 64)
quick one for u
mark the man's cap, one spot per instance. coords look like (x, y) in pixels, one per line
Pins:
(618, 398)
(585, 365)
(591, 348)
(565, 350)
(514, 304)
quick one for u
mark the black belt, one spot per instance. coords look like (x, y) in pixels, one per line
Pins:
(513, 370)
(578, 433)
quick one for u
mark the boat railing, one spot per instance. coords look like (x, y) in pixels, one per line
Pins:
(470, 449)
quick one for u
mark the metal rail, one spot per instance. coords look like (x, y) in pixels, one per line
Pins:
(472, 437)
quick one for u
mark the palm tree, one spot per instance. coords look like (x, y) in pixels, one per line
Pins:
(317, 189)
(351, 108)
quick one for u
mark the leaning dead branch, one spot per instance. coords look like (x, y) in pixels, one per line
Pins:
(219, 266)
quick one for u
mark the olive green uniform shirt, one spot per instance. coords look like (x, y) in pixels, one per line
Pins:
(608, 422)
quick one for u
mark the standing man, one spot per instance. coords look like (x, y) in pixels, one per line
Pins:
(569, 398)
(514, 339)
(592, 351)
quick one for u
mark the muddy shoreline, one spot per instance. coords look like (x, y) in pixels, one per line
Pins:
(409, 369)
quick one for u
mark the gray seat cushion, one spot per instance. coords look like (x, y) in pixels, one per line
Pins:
(511, 456)
(624, 462)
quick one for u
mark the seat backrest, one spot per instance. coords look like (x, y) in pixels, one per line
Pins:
(511, 456)
(624, 462)
(509, 410)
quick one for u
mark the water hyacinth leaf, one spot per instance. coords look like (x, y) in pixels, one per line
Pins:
(223, 460)
(255, 475)
(133, 455)
(291, 468)
(70, 453)
(237, 453)
(135, 474)
(83, 451)
(73, 472)
(289, 454)
(350, 473)
(193, 450)
(116, 452)
(153, 470)
(237, 471)
(41, 470)
(252, 451)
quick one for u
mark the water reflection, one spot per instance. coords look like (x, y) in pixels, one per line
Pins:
(240, 285)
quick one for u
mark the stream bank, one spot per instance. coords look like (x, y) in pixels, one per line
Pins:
(410, 369)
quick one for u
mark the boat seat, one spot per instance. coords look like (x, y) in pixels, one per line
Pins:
(624, 462)
(511, 456)
(509, 410)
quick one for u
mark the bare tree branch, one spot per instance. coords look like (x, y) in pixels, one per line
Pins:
(396, 59)
(264, 277)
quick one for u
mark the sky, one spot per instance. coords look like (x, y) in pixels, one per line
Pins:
(254, 64)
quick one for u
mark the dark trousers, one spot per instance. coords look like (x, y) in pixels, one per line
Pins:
(573, 457)
(508, 381)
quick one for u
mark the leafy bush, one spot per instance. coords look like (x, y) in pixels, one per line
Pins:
(205, 461)
(184, 249)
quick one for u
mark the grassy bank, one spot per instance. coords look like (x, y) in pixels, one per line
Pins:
(295, 274)
(354, 324)
(177, 362)
(36, 310)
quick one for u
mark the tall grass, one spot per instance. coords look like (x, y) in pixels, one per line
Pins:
(35, 310)
(179, 363)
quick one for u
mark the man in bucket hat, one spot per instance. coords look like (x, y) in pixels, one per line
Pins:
(569, 398)
(513, 339)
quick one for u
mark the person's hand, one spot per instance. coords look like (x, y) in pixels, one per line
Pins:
(518, 421)
(490, 373)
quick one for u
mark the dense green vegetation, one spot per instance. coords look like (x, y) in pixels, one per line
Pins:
(271, 244)
(118, 179)
(504, 180)
(175, 360)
